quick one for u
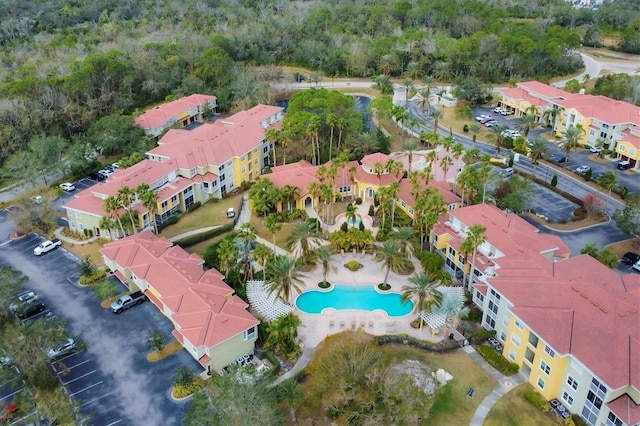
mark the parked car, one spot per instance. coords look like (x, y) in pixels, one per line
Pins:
(106, 173)
(630, 258)
(499, 110)
(624, 165)
(482, 117)
(37, 199)
(596, 149)
(487, 119)
(491, 123)
(598, 175)
(24, 298)
(67, 187)
(507, 112)
(508, 172)
(558, 159)
(47, 246)
(30, 309)
(97, 176)
(127, 301)
(582, 170)
(66, 348)
(636, 266)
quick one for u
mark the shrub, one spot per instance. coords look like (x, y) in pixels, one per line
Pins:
(324, 284)
(97, 275)
(204, 236)
(156, 341)
(344, 227)
(443, 346)
(384, 286)
(171, 221)
(465, 128)
(577, 420)
(358, 201)
(372, 210)
(182, 391)
(554, 180)
(105, 289)
(194, 206)
(86, 266)
(537, 400)
(353, 265)
(497, 360)
(361, 226)
(482, 335)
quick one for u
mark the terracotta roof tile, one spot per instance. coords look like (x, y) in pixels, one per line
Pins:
(160, 115)
(204, 308)
(371, 159)
(625, 409)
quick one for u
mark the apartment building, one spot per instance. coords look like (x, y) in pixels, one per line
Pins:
(187, 167)
(180, 112)
(607, 122)
(354, 179)
(571, 324)
(210, 322)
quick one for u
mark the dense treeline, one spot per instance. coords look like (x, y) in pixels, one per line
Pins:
(69, 64)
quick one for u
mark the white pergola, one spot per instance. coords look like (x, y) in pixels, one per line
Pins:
(267, 306)
(436, 321)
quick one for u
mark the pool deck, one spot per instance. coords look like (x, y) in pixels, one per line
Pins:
(317, 327)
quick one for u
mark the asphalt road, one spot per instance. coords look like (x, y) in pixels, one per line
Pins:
(112, 380)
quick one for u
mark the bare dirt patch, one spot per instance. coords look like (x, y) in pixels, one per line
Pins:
(622, 247)
(91, 249)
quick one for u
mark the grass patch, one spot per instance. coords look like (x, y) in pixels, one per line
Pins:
(281, 235)
(395, 132)
(513, 410)
(450, 404)
(92, 250)
(171, 348)
(214, 212)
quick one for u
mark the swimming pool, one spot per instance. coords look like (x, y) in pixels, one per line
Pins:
(354, 223)
(353, 297)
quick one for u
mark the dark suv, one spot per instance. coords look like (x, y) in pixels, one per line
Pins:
(624, 165)
(29, 310)
(630, 258)
(96, 176)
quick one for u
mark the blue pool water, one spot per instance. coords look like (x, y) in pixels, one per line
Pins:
(354, 223)
(348, 297)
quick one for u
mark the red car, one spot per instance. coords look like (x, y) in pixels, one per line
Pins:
(486, 120)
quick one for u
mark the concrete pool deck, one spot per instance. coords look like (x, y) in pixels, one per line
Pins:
(317, 327)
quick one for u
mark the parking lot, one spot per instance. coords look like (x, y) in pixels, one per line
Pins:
(111, 380)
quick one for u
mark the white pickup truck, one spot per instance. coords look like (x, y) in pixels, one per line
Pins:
(47, 246)
(127, 301)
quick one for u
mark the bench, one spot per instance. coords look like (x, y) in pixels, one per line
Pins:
(471, 393)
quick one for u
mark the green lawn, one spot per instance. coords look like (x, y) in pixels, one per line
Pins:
(281, 236)
(212, 213)
(513, 410)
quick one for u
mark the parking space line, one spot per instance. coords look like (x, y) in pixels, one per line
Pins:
(96, 399)
(79, 377)
(87, 388)
(114, 423)
(78, 364)
(11, 394)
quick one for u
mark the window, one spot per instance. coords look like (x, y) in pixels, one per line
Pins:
(480, 297)
(403, 204)
(221, 168)
(503, 336)
(545, 367)
(549, 351)
(174, 200)
(242, 158)
(572, 382)
(593, 404)
(512, 355)
(255, 161)
(192, 172)
(519, 324)
(515, 340)
(613, 420)
(540, 383)
(567, 398)
(250, 334)
(621, 148)
(164, 205)
(244, 170)
(411, 210)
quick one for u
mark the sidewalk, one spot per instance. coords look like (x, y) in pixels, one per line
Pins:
(192, 232)
(303, 361)
(58, 234)
(505, 384)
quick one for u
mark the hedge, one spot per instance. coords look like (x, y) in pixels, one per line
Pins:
(182, 391)
(96, 276)
(444, 346)
(537, 400)
(204, 236)
(497, 360)
(481, 335)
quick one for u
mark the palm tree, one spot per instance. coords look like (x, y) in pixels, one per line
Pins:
(497, 134)
(286, 278)
(608, 181)
(406, 238)
(475, 238)
(286, 137)
(538, 149)
(410, 147)
(125, 198)
(149, 200)
(227, 256)
(303, 239)
(378, 169)
(407, 83)
(436, 114)
(382, 83)
(247, 234)
(262, 254)
(452, 306)
(391, 257)
(273, 225)
(332, 122)
(352, 214)
(445, 163)
(423, 292)
(401, 115)
(551, 115)
(572, 137)
(107, 224)
(273, 135)
(112, 207)
(527, 123)
(413, 70)
(324, 255)
(290, 194)
(423, 100)
(474, 129)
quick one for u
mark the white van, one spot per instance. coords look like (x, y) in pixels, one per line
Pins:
(508, 172)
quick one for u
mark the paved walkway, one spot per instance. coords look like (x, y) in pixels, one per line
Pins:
(193, 232)
(303, 361)
(58, 234)
(505, 384)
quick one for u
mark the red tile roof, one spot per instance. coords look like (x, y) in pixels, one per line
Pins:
(625, 409)
(218, 142)
(300, 174)
(522, 95)
(633, 140)
(443, 188)
(160, 115)
(584, 308)
(544, 89)
(204, 308)
(371, 159)
(146, 171)
(173, 188)
(482, 288)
